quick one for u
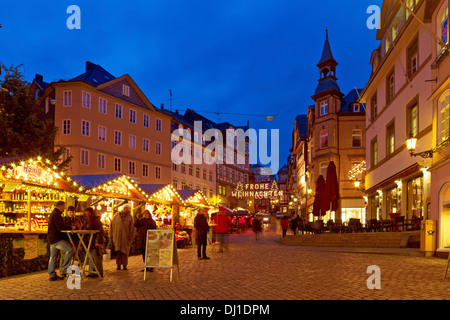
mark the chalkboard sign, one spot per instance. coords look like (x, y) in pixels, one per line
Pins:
(161, 251)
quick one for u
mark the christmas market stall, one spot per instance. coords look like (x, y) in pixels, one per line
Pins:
(28, 191)
(108, 193)
(194, 200)
(164, 203)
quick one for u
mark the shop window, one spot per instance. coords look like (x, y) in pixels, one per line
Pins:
(376, 203)
(415, 197)
(393, 200)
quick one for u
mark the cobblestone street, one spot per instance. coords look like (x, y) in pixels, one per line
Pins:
(264, 270)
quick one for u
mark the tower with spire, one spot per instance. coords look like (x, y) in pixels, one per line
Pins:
(336, 133)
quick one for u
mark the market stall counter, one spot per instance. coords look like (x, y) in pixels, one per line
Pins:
(29, 188)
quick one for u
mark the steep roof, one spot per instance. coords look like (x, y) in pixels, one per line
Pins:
(349, 99)
(326, 52)
(95, 75)
(327, 84)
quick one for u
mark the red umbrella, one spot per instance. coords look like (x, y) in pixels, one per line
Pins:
(330, 199)
(320, 187)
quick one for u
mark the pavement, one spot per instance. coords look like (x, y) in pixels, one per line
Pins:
(253, 270)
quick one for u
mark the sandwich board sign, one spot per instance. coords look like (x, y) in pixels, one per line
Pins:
(160, 251)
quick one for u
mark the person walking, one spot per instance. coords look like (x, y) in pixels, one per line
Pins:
(98, 240)
(220, 228)
(122, 234)
(201, 233)
(294, 223)
(142, 224)
(58, 242)
(284, 225)
(257, 227)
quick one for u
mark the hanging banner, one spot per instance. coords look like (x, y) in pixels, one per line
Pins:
(257, 191)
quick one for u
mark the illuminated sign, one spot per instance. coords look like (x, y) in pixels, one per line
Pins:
(257, 191)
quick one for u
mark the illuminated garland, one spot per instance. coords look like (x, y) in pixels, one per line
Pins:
(198, 196)
(356, 170)
(49, 168)
(167, 193)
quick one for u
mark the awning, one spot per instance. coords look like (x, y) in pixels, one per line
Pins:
(404, 173)
(162, 193)
(193, 197)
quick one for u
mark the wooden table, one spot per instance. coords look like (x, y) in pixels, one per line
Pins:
(81, 234)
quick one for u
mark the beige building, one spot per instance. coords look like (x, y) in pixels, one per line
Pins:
(398, 107)
(335, 133)
(108, 125)
(198, 174)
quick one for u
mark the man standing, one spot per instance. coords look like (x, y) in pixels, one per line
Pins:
(201, 231)
(58, 242)
(122, 234)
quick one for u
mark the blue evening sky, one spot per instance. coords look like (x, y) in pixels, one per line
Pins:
(236, 56)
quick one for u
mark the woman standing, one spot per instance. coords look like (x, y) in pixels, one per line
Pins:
(122, 234)
(93, 223)
(143, 223)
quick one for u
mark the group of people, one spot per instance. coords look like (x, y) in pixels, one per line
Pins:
(123, 230)
(294, 223)
(59, 241)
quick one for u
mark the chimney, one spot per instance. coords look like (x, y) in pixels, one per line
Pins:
(90, 65)
(176, 111)
(162, 106)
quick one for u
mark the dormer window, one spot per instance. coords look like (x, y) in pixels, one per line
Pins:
(126, 90)
(356, 107)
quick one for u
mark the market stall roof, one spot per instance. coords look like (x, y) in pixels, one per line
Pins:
(37, 174)
(111, 185)
(163, 193)
(194, 197)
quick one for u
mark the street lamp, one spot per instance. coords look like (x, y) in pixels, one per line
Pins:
(357, 184)
(411, 146)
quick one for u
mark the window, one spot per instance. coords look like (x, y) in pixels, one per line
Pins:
(324, 169)
(102, 133)
(132, 142)
(356, 107)
(390, 87)
(117, 165)
(85, 128)
(411, 5)
(145, 170)
(132, 116)
(157, 172)
(146, 120)
(84, 157)
(357, 138)
(388, 43)
(125, 90)
(118, 111)
(158, 147)
(146, 145)
(158, 125)
(86, 99)
(174, 166)
(66, 127)
(197, 172)
(210, 176)
(323, 139)
(373, 107)
(324, 108)
(117, 138)
(412, 121)
(102, 105)
(191, 170)
(374, 152)
(444, 106)
(394, 30)
(444, 25)
(101, 161)
(390, 139)
(175, 184)
(183, 185)
(412, 59)
(67, 98)
(183, 168)
(132, 167)
(66, 154)
(204, 174)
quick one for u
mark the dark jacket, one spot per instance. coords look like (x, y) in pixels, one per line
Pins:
(74, 221)
(256, 225)
(201, 227)
(55, 225)
(99, 238)
(142, 226)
